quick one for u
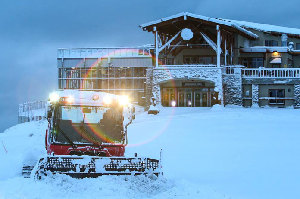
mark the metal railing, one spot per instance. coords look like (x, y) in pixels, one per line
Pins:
(271, 73)
(32, 111)
(189, 66)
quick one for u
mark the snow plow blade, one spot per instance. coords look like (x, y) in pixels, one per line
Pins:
(92, 166)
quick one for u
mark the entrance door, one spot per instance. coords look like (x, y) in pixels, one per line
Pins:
(197, 95)
(181, 98)
(204, 99)
(188, 97)
(166, 99)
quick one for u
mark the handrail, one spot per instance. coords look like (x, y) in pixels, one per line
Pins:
(271, 73)
(190, 66)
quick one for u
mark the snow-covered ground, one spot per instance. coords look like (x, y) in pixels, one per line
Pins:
(207, 153)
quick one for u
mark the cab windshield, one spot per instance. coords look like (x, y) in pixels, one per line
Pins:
(89, 124)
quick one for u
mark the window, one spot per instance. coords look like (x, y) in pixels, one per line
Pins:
(276, 93)
(271, 43)
(191, 60)
(297, 46)
(256, 62)
(141, 52)
(205, 60)
(170, 61)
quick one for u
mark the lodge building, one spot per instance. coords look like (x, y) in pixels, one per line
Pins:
(195, 61)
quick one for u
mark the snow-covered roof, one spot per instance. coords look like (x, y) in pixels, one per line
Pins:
(257, 49)
(240, 25)
(214, 20)
(264, 27)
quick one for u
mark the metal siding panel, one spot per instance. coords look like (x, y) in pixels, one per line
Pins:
(132, 62)
(69, 63)
(89, 62)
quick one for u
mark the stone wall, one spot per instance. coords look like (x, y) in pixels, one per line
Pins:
(149, 85)
(255, 95)
(233, 88)
(297, 95)
(161, 75)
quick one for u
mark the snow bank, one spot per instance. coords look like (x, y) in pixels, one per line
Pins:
(21, 144)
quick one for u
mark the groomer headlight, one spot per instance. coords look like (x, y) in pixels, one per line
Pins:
(70, 99)
(107, 100)
(123, 100)
(54, 97)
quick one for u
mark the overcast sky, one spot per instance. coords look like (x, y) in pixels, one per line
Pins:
(31, 32)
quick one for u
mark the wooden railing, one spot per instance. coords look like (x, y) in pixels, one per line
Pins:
(271, 73)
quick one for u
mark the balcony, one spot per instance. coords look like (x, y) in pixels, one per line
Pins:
(271, 73)
(189, 66)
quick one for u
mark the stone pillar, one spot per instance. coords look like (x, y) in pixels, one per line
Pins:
(255, 95)
(149, 82)
(233, 88)
(297, 95)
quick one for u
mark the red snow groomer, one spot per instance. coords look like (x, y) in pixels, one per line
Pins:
(87, 135)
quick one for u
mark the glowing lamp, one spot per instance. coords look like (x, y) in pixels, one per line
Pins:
(123, 100)
(107, 100)
(70, 99)
(173, 103)
(54, 97)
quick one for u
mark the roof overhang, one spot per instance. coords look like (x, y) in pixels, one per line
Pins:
(169, 25)
(265, 49)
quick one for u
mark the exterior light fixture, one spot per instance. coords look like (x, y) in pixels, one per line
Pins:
(173, 103)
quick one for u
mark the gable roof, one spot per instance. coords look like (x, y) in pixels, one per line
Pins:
(238, 25)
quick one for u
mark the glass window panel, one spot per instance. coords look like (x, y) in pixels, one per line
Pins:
(111, 72)
(111, 83)
(122, 72)
(129, 84)
(104, 84)
(117, 84)
(122, 84)
(129, 72)
(104, 72)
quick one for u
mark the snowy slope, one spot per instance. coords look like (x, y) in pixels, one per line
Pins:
(207, 153)
(20, 144)
(243, 153)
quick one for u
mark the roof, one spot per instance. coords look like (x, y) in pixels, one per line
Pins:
(203, 18)
(265, 27)
(239, 25)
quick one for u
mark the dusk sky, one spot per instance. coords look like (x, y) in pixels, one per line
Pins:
(32, 31)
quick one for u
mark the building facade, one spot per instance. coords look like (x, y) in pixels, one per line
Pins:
(112, 70)
(195, 61)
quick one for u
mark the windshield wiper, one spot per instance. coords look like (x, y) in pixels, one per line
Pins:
(67, 138)
(93, 139)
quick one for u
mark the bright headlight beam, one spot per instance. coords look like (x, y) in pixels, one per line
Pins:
(54, 97)
(107, 100)
(123, 100)
(70, 99)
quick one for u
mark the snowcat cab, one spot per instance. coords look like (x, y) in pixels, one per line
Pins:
(87, 135)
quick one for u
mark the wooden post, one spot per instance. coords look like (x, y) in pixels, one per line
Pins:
(218, 47)
(225, 53)
(156, 46)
